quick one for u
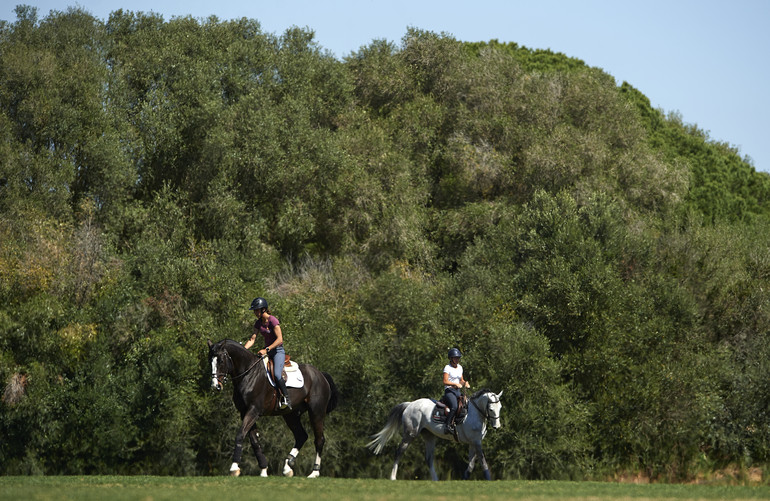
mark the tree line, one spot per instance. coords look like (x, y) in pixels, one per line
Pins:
(603, 263)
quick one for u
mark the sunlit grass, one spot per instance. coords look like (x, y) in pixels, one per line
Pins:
(118, 488)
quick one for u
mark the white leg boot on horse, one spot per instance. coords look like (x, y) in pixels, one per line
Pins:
(288, 464)
(316, 468)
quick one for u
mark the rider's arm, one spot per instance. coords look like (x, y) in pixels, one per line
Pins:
(250, 342)
(447, 382)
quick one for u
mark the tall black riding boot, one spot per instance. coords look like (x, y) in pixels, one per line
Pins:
(285, 401)
(449, 426)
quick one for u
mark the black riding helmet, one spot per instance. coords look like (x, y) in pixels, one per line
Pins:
(258, 304)
(454, 352)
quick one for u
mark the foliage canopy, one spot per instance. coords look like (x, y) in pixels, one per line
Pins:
(604, 264)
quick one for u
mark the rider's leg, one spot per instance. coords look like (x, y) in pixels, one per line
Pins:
(451, 398)
(279, 359)
(281, 384)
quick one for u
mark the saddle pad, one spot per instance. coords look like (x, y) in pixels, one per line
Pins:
(440, 411)
(294, 378)
(438, 415)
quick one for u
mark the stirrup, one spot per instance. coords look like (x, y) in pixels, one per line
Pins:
(284, 402)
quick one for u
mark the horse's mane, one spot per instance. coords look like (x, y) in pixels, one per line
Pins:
(234, 344)
(480, 392)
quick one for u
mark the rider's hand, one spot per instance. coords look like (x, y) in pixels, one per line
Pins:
(262, 352)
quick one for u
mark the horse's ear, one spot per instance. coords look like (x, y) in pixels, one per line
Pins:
(210, 343)
(500, 394)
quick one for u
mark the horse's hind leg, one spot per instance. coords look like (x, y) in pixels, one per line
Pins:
(300, 437)
(430, 448)
(319, 440)
(408, 437)
(261, 459)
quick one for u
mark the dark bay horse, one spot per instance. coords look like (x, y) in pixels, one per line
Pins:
(254, 396)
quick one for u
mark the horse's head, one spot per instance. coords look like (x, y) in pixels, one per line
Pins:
(494, 406)
(221, 364)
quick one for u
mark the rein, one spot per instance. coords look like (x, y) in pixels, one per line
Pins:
(231, 364)
(259, 359)
(484, 413)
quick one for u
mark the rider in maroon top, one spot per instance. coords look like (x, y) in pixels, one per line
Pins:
(270, 329)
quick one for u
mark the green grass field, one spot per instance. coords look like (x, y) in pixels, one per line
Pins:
(118, 488)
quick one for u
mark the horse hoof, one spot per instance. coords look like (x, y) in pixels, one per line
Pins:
(235, 473)
(288, 473)
(315, 474)
(263, 473)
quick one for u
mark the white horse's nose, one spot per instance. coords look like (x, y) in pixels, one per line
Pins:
(215, 384)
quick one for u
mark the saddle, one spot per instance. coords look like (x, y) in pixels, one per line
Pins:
(441, 410)
(290, 373)
(287, 365)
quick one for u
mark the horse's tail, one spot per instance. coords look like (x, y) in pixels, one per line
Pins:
(334, 398)
(390, 429)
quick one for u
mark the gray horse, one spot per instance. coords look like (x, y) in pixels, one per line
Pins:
(415, 417)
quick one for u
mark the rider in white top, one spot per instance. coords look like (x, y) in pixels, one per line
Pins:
(453, 382)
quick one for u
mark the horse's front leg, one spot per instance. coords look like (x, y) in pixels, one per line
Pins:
(249, 418)
(300, 437)
(261, 459)
(471, 462)
(485, 467)
(480, 454)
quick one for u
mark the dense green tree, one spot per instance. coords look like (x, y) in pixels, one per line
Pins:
(602, 263)
(723, 186)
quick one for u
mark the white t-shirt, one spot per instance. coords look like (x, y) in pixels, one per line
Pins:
(455, 374)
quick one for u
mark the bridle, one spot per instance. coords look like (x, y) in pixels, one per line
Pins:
(487, 413)
(221, 377)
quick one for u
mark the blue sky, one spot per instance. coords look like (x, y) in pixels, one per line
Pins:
(704, 59)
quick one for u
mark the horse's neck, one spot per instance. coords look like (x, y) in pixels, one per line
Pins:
(480, 403)
(241, 357)
(476, 415)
